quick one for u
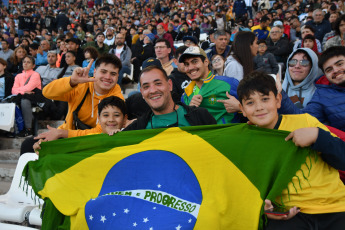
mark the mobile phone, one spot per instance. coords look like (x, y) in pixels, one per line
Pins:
(278, 211)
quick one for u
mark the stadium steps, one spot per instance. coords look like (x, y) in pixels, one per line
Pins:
(128, 88)
(10, 152)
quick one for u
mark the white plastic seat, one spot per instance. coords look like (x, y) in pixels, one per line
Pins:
(17, 203)
(14, 227)
(35, 217)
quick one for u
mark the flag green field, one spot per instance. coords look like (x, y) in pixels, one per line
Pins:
(201, 177)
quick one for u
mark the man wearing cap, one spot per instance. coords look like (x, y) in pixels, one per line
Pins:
(99, 44)
(278, 45)
(207, 90)
(73, 44)
(221, 46)
(156, 90)
(89, 37)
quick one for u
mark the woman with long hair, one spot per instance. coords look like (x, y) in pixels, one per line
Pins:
(90, 53)
(240, 62)
(70, 58)
(217, 62)
(338, 39)
(63, 50)
(15, 62)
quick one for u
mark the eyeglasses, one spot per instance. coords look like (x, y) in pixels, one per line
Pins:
(188, 42)
(160, 47)
(293, 62)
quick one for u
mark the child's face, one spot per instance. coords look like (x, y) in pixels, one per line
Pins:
(262, 48)
(111, 118)
(261, 109)
(308, 43)
(87, 55)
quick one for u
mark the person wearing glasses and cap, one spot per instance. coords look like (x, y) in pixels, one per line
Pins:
(301, 72)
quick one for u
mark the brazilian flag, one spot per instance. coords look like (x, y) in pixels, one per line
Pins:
(205, 177)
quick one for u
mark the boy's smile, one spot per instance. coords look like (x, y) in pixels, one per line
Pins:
(261, 109)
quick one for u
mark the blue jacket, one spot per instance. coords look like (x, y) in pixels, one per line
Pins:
(212, 51)
(327, 104)
(240, 8)
(42, 59)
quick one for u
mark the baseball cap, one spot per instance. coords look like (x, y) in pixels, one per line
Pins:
(90, 36)
(192, 51)
(151, 61)
(190, 38)
(277, 23)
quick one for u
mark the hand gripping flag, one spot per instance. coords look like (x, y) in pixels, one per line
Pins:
(206, 177)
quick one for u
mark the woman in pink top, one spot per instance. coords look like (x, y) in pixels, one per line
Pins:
(25, 83)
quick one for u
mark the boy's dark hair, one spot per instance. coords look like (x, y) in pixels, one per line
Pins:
(262, 41)
(180, 51)
(152, 67)
(309, 27)
(256, 82)
(310, 37)
(112, 101)
(3, 62)
(333, 51)
(109, 59)
(167, 43)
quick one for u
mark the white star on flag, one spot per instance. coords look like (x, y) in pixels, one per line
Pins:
(145, 219)
(159, 185)
(178, 227)
(151, 228)
(126, 211)
(154, 207)
(190, 221)
(135, 224)
(114, 214)
(90, 217)
(103, 219)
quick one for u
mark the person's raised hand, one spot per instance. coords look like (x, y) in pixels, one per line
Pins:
(196, 100)
(50, 135)
(81, 75)
(232, 105)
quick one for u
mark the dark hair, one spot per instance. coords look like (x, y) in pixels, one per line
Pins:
(262, 41)
(264, 19)
(309, 27)
(109, 59)
(63, 71)
(242, 52)
(32, 59)
(5, 41)
(152, 67)
(337, 24)
(309, 36)
(167, 43)
(93, 52)
(333, 51)
(256, 82)
(180, 51)
(34, 46)
(185, 23)
(114, 102)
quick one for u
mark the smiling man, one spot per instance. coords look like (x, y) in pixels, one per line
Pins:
(327, 103)
(156, 90)
(207, 90)
(80, 90)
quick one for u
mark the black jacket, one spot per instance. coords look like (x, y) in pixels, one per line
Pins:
(195, 116)
(180, 82)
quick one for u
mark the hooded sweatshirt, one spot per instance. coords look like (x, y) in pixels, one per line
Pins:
(302, 93)
(61, 90)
